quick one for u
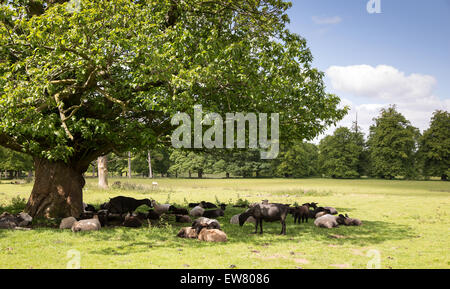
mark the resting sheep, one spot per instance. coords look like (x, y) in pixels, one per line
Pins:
(213, 213)
(207, 223)
(212, 235)
(67, 223)
(178, 211)
(132, 221)
(267, 212)
(329, 221)
(197, 211)
(183, 219)
(160, 208)
(187, 232)
(351, 221)
(87, 225)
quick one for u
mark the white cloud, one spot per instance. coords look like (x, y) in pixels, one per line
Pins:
(381, 86)
(326, 20)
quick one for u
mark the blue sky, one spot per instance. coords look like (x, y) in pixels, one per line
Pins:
(399, 56)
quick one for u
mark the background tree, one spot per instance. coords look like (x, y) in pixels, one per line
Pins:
(435, 146)
(392, 145)
(14, 162)
(76, 85)
(299, 160)
(340, 153)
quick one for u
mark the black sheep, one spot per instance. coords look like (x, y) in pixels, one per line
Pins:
(301, 213)
(152, 215)
(123, 205)
(213, 213)
(178, 211)
(132, 221)
(267, 212)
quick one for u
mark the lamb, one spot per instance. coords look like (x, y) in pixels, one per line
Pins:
(160, 208)
(187, 232)
(207, 223)
(132, 221)
(235, 219)
(123, 205)
(212, 235)
(267, 212)
(213, 213)
(87, 225)
(301, 213)
(67, 223)
(329, 221)
(183, 219)
(197, 211)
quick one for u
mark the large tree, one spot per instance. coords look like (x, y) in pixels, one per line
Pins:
(341, 153)
(79, 82)
(435, 146)
(392, 145)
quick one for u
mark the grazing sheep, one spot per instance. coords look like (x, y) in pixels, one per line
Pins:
(183, 219)
(212, 235)
(132, 221)
(301, 214)
(207, 223)
(123, 205)
(197, 211)
(178, 211)
(67, 223)
(87, 225)
(267, 212)
(213, 213)
(187, 232)
(235, 219)
(329, 221)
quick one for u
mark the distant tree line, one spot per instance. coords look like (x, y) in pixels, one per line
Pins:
(393, 149)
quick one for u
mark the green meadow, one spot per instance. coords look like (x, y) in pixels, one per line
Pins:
(405, 225)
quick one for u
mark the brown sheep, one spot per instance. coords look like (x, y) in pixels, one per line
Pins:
(212, 235)
(187, 232)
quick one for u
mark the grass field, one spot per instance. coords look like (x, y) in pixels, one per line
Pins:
(405, 222)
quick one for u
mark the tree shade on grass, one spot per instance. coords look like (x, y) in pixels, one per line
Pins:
(78, 84)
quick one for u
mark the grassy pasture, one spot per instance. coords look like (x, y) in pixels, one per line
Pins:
(406, 222)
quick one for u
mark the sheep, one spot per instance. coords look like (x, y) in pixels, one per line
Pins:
(132, 221)
(197, 211)
(213, 213)
(160, 208)
(332, 210)
(329, 221)
(67, 223)
(350, 221)
(154, 185)
(235, 219)
(206, 205)
(187, 232)
(183, 219)
(88, 208)
(123, 205)
(152, 215)
(301, 213)
(212, 235)
(207, 223)
(267, 212)
(178, 211)
(87, 225)
(9, 221)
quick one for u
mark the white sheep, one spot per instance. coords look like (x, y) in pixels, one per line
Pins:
(67, 223)
(327, 221)
(160, 208)
(87, 225)
(197, 211)
(235, 220)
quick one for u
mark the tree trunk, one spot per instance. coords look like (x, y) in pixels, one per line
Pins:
(129, 165)
(444, 177)
(227, 175)
(57, 190)
(200, 174)
(149, 159)
(102, 172)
